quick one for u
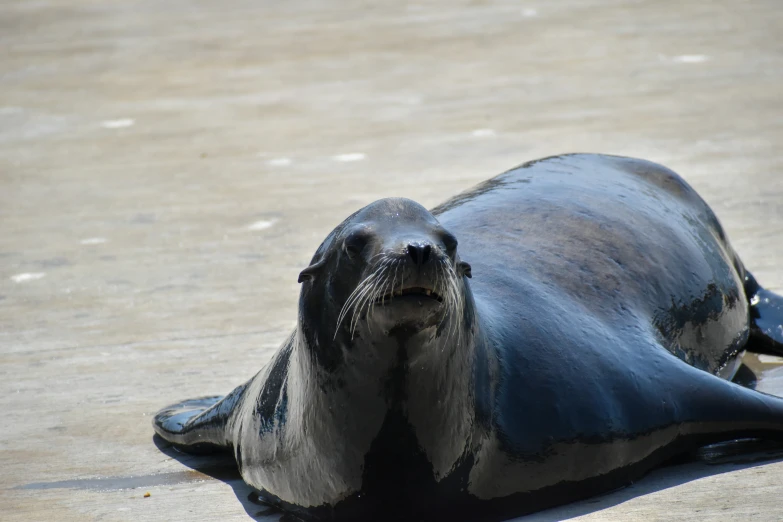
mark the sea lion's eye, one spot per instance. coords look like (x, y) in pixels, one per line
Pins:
(450, 242)
(355, 242)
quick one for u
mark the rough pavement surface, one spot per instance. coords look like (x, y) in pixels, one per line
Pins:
(167, 168)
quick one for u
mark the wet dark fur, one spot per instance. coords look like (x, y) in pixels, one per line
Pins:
(588, 348)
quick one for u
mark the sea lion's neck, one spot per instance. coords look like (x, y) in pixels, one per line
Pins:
(332, 417)
(424, 378)
(441, 405)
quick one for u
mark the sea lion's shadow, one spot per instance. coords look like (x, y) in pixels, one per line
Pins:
(222, 466)
(716, 460)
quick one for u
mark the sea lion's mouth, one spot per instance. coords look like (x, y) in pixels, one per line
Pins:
(413, 291)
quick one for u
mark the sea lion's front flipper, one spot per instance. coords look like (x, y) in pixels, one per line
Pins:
(198, 425)
(766, 310)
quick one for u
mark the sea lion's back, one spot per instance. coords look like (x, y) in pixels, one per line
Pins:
(628, 240)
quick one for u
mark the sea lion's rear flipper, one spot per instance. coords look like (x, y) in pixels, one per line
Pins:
(198, 425)
(766, 311)
(712, 410)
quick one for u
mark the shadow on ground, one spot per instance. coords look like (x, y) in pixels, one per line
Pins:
(222, 466)
(713, 460)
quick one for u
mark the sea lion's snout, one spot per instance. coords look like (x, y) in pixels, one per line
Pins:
(419, 252)
(405, 267)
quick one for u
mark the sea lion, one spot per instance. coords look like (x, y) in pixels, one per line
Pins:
(594, 342)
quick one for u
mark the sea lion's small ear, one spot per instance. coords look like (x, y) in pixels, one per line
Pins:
(465, 269)
(309, 273)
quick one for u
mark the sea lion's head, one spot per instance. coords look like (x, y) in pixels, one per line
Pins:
(388, 269)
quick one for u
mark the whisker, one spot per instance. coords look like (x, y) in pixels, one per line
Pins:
(394, 280)
(382, 282)
(364, 296)
(377, 290)
(354, 297)
(367, 297)
(351, 298)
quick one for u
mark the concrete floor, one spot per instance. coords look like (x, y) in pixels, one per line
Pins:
(167, 168)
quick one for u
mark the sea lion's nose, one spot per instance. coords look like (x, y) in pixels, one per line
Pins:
(419, 252)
